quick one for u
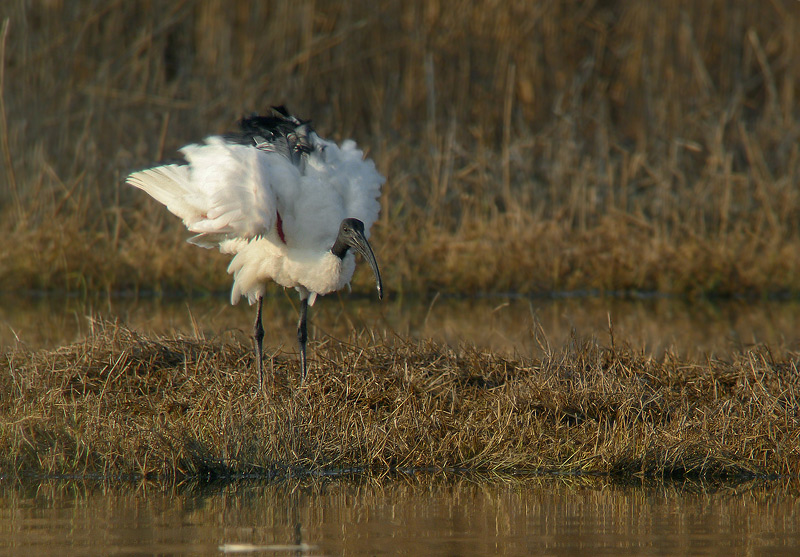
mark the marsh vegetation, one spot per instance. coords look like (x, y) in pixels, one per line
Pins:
(569, 145)
(125, 405)
(547, 146)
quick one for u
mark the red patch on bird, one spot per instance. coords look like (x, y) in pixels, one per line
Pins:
(280, 227)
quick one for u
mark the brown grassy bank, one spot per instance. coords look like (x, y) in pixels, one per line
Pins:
(169, 408)
(607, 145)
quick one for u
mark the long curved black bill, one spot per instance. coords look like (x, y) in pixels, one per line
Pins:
(359, 243)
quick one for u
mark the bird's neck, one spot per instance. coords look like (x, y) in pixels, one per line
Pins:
(339, 248)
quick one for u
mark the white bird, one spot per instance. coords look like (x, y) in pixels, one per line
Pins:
(285, 203)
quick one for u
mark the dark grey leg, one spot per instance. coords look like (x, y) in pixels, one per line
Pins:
(258, 337)
(302, 336)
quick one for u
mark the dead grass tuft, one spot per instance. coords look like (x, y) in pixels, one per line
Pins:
(120, 404)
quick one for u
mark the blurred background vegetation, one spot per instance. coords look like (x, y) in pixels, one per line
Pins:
(529, 146)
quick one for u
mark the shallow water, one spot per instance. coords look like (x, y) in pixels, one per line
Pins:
(408, 515)
(525, 326)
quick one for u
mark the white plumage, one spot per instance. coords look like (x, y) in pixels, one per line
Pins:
(279, 199)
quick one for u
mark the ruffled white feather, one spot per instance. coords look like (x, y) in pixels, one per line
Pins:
(230, 196)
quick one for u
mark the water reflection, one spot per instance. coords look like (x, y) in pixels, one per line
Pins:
(417, 516)
(511, 325)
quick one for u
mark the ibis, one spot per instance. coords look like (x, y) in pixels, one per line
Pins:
(286, 204)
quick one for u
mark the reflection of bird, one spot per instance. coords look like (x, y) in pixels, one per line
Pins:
(285, 203)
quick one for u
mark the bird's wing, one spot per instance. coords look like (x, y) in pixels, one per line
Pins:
(328, 182)
(225, 191)
(338, 183)
(358, 181)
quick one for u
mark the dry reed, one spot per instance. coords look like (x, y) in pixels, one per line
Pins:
(169, 408)
(611, 146)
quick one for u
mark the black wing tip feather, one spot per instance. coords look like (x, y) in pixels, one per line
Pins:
(280, 132)
(284, 112)
(280, 121)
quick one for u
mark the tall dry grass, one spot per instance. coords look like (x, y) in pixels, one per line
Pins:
(529, 146)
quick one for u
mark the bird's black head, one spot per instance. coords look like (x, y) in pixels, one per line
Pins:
(351, 235)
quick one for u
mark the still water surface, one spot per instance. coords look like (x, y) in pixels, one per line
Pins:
(520, 326)
(410, 515)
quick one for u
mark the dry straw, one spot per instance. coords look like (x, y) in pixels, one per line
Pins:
(611, 146)
(170, 408)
